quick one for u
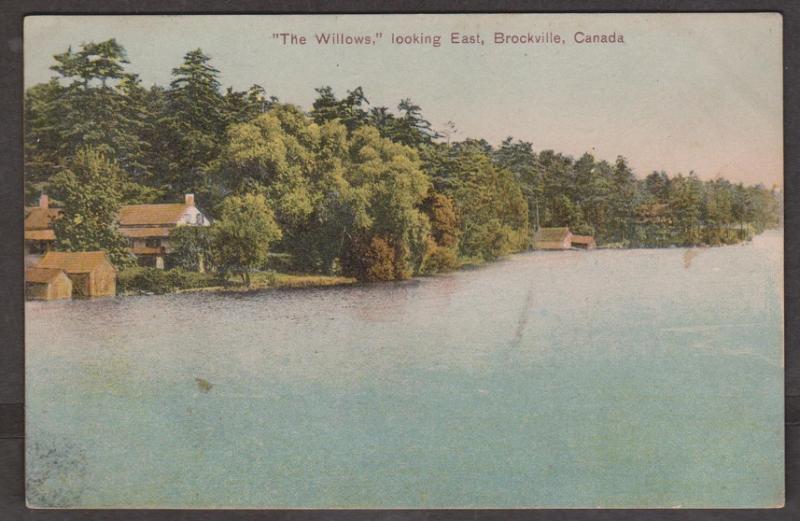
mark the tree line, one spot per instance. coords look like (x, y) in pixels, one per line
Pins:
(344, 187)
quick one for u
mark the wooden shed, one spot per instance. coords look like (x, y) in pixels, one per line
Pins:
(91, 273)
(585, 242)
(552, 239)
(47, 284)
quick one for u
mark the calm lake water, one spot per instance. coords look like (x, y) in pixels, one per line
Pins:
(646, 378)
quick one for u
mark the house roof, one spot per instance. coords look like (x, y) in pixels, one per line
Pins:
(151, 214)
(42, 275)
(40, 235)
(74, 261)
(552, 234)
(37, 218)
(153, 231)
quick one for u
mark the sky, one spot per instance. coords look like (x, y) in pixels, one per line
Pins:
(684, 92)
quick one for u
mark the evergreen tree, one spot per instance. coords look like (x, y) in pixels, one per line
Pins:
(91, 110)
(195, 122)
(411, 128)
(349, 111)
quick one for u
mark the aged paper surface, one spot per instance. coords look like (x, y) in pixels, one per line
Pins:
(404, 261)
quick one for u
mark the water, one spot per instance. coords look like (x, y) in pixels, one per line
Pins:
(551, 379)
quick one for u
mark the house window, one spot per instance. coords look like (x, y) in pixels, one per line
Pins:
(37, 247)
(152, 242)
(199, 219)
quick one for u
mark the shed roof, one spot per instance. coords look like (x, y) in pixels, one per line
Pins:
(43, 275)
(74, 261)
(151, 214)
(37, 218)
(552, 234)
(40, 235)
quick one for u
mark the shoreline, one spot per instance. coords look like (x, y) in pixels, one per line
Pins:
(266, 280)
(283, 281)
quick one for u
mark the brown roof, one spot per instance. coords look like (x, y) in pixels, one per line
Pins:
(150, 214)
(74, 261)
(37, 218)
(154, 231)
(40, 235)
(551, 234)
(42, 275)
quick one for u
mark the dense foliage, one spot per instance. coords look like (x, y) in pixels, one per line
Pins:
(241, 237)
(158, 281)
(345, 187)
(90, 187)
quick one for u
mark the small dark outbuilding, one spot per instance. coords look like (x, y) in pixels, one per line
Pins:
(552, 239)
(47, 284)
(585, 242)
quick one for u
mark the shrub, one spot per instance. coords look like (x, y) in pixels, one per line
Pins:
(440, 260)
(379, 260)
(153, 280)
(280, 262)
(191, 247)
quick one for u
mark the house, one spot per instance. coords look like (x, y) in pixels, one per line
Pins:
(147, 227)
(585, 242)
(552, 239)
(91, 273)
(39, 234)
(47, 284)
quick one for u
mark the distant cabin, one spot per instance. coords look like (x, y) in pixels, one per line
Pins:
(552, 239)
(147, 227)
(585, 242)
(39, 233)
(91, 273)
(47, 284)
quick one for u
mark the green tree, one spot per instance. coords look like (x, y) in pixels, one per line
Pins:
(622, 202)
(90, 192)
(410, 127)
(349, 110)
(191, 247)
(441, 212)
(492, 208)
(195, 123)
(685, 199)
(90, 110)
(520, 159)
(388, 179)
(273, 154)
(241, 106)
(241, 237)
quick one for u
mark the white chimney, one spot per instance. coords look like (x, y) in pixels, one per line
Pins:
(189, 199)
(44, 202)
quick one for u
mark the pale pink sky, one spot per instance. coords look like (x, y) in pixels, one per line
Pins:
(685, 92)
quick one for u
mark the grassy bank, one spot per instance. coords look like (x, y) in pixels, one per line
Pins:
(139, 281)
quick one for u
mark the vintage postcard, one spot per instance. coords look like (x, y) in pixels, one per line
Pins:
(404, 261)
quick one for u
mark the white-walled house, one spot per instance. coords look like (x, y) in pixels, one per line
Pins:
(147, 227)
